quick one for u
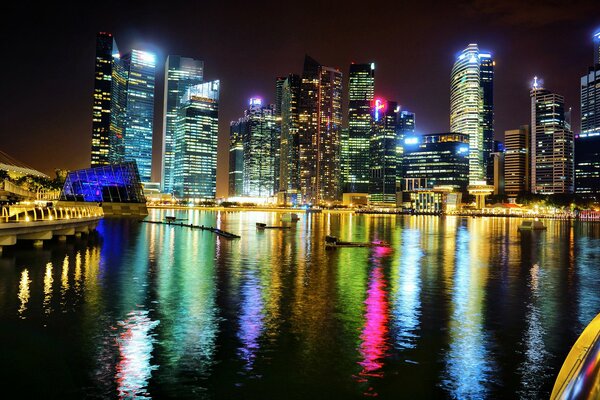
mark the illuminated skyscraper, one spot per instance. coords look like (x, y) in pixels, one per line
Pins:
(516, 161)
(180, 74)
(105, 45)
(587, 143)
(472, 107)
(195, 142)
(289, 145)
(383, 158)
(132, 110)
(259, 132)
(236, 159)
(436, 159)
(361, 88)
(551, 143)
(320, 123)
(406, 127)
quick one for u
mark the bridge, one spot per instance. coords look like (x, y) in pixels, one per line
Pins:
(40, 223)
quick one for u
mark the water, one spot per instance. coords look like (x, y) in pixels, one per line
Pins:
(457, 308)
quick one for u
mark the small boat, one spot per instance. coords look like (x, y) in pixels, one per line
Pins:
(332, 241)
(532, 226)
(290, 217)
(170, 218)
(260, 225)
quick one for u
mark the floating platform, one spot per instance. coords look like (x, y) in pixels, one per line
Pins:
(260, 225)
(219, 232)
(332, 241)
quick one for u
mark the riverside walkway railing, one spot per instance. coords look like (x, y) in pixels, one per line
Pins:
(28, 213)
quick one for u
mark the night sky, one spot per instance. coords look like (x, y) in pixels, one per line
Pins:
(48, 58)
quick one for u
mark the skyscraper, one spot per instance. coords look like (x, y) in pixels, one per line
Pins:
(516, 161)
(436, 159)
(472, 107)
(195, 142)
(259, 131)
(320, 121)
(101, 109)
(361, 89)
(132, 110)
(406, 127)
(382, 152)
(236, 159)
(180, 74)
(551, 143)
(289, 175)
(587, 143)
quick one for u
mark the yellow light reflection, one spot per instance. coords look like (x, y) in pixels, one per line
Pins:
(24, 293)
(48, 280)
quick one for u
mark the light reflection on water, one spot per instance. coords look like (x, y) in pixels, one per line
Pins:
(457, 308)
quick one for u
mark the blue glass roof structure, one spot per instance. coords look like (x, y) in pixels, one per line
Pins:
(118, 183)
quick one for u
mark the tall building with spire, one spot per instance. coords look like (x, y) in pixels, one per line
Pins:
(361, 88)
(552, 147)
(180, 74)
(101, 108)
(320, 123)
(472, 107)
(587, 142)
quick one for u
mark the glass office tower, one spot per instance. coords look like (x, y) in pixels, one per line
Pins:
(105, 45)
(289, 171)
(361, 88)
(259, 131)
(195, 143)
(382, 152)
(180, 74)
(552, 148)
(405, 128)
(472, 107)
(587, 142)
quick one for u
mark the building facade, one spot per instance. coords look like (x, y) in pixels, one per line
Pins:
(180, 74)
(440, 159)
(552, 146)
(289, 164)
(472, 107)
(320, 123)
(259, 133)
(195, 143)
(132, 110)
(361, 89)
(587, 142)
(382, 152)
(516, 161)
(101, 107)
(406, 127)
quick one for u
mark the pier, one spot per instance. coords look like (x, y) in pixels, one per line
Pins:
(217, 231)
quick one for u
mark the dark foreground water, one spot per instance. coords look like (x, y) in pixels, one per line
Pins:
(458, 308)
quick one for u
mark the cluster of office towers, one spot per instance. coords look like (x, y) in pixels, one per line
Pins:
(123, 118)
(298, 150)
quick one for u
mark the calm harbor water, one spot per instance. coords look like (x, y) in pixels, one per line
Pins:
(457, 308)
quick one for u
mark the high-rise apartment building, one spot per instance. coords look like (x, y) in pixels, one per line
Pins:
(101, 108)
(516, 161)
(320, 121)
(259, 133)
(587, 142)
(289, 171)
(195, 142)
(472, 107)
(383, 160)
(180, 74)
(552, 148)
(361, 89)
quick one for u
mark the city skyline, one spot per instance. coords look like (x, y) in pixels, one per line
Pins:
(426, 93)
